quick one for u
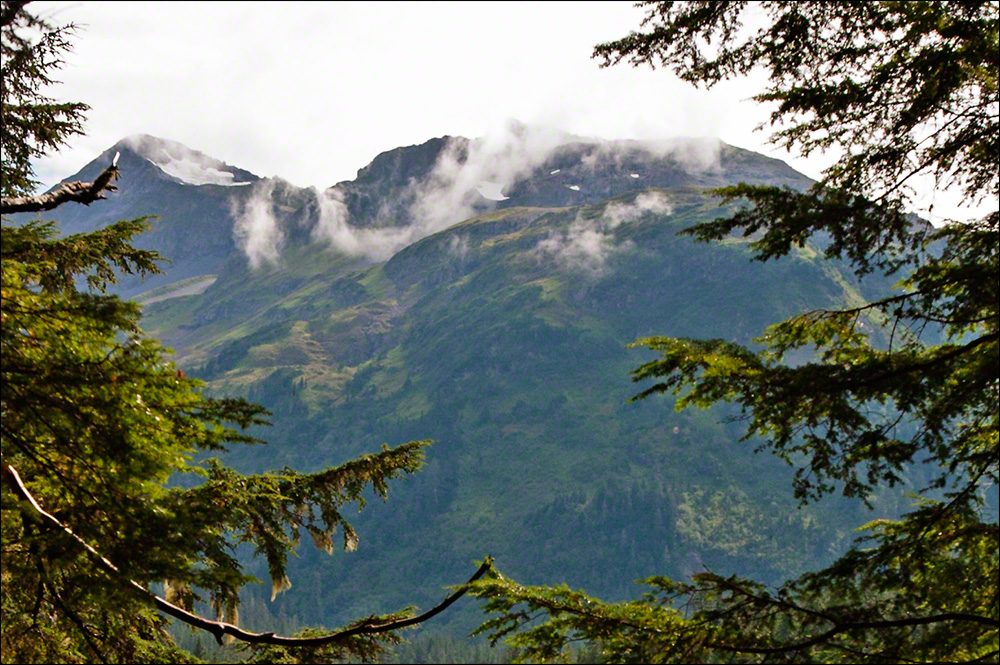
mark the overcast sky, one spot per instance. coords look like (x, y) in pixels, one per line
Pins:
(312, 92)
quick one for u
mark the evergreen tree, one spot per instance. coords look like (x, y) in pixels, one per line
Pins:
(32, 123)
(99, 431)
(903, 89)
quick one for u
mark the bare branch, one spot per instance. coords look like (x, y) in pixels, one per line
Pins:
(81, 192)
(218, 628)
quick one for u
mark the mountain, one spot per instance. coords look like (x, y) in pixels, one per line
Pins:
(196, 198)
(533, 167)
(190, 193)
(482, 293)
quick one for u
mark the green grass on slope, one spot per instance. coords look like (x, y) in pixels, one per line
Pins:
(504, 340)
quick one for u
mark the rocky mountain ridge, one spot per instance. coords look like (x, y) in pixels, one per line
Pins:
(422, 188)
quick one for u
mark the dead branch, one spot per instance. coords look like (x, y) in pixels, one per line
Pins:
(81, 192)
(220, 629)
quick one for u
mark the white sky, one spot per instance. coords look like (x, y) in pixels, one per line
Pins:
(312, 92)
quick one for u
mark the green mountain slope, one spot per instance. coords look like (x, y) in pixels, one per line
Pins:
(514, 360)
(503, 337)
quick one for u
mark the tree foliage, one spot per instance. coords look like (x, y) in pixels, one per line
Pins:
(108, 484)
(905, 90)
(31, 124)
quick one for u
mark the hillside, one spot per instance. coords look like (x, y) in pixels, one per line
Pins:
(484, 297)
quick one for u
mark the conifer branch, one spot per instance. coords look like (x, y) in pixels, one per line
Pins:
(81, 192)
(855, 625)
(839, 626)
(8, 12)
(219, 629)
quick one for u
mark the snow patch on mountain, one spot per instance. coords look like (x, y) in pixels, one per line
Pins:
(178, 161)
(193, 173)
(492, 191)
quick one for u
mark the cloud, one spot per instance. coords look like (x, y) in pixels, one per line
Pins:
(333, 225)
(467, 173)
(458, 246)
(259, 236)
(255, 228)
(696, 155)
(376, 244)
(616, 213)
(189, 166)
(582, 247)
(589, 242)
(467, 179)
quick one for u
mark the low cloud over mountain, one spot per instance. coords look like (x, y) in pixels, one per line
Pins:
(405, 194)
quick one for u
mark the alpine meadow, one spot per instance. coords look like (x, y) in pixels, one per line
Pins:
(424, 371)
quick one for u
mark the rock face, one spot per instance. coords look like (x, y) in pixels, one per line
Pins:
(498, 330)
(546, 173)
(384, 191)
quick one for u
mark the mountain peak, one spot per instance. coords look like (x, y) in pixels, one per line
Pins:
(183, 164)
